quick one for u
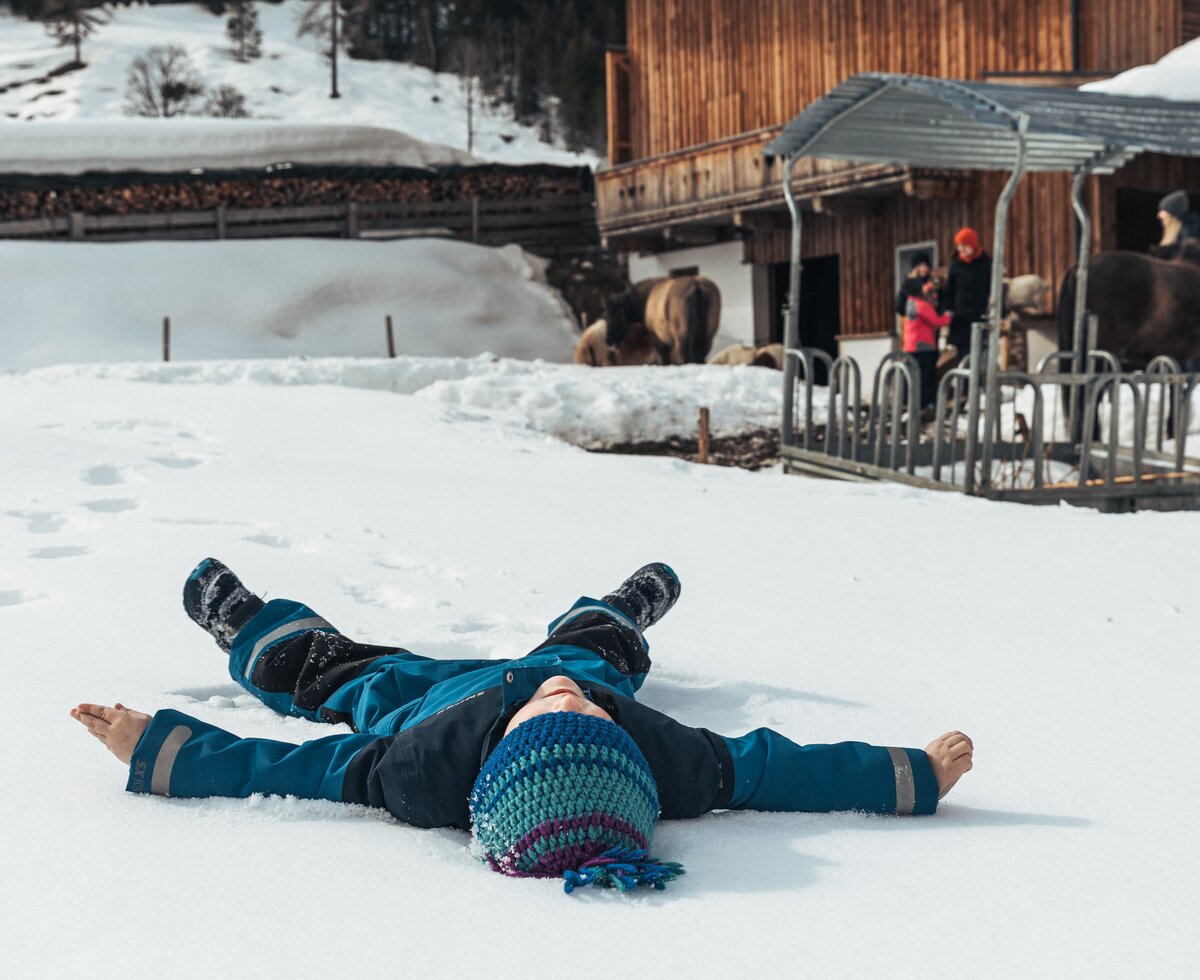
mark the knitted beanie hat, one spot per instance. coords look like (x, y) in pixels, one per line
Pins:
(968, 237)
(571, 795)
(1176, 203)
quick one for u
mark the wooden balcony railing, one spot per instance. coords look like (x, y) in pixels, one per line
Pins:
(709, 182)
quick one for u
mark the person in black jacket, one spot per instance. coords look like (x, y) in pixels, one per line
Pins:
(922, 273)
(968, 285)
(1180, 226)
(549, 760)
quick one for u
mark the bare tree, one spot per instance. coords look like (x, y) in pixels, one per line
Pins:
(320, 19)
(466, 58)
(227, 102)
(243, 30)
(70, 23)
(161, 82)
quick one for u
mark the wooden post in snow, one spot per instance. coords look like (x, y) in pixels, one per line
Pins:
(391, 337)
(702, 453)
(166, 338)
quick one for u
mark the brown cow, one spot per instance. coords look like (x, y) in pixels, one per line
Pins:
(683, 312)
(637, 347)
(764, 355)
(1145, 306)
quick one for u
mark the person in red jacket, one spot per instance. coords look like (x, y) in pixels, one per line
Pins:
(921, 325)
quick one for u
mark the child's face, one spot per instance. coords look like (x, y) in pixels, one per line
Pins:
(557, 694)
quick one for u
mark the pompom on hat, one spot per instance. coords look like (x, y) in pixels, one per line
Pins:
(569, 795)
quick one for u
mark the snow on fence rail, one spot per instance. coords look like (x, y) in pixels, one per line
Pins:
(544, 225)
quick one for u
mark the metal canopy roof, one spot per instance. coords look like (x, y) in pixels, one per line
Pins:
(939, 123)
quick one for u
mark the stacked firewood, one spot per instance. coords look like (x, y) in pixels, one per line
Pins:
(138, 194)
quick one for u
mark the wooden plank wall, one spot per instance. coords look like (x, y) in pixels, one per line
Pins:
(865, 243)
(1189, 20)
(1118, 34)
(1040, 239)
(704, 70)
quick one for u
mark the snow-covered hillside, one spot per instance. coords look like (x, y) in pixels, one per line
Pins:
(290, 82)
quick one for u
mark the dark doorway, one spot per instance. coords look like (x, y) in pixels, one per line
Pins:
(820, 305)
(1137, 218)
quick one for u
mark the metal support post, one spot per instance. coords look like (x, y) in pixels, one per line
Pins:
(791, 321)
(995, 304)
(1079, 348)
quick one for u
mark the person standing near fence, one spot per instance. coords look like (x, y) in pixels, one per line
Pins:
(921, 326)
(968, 287)
(921, 271)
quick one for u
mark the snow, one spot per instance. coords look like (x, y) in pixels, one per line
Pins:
(182, 143)
(1176, 75)
(277, 298)
(290, 83)
(436, 503)
(442, 501)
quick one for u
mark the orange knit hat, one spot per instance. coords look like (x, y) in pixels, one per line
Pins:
(968, 237)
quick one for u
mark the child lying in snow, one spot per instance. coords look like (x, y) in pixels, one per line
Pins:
(548, 759)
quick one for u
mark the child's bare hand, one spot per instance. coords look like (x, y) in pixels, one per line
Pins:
(951, 757)
(118, 727)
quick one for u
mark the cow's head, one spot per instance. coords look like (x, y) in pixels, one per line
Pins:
(619, 312)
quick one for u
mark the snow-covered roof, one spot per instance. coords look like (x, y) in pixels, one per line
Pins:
(191, 144)
(1175, 76)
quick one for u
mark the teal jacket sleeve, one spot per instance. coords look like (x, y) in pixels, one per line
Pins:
(771, 772)
(179, 755)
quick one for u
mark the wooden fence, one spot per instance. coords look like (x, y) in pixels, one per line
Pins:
(547, 226)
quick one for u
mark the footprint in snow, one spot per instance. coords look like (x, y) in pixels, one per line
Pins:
(476, 624)
(110, 505)
(379, 595)
(177, 462)
(39, 521)
(61, 551)
(270, 540)
(104, 475)
(14, 597)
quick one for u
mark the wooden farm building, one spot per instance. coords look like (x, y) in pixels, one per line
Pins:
(703, 85)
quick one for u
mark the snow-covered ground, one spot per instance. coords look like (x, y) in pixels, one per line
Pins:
(433, 502)
(290, 82)
(1062, 640)
(276, 298)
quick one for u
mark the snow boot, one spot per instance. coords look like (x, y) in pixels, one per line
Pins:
(216, 600)
(647, 595)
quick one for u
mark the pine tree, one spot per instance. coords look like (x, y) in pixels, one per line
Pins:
(243, 30)
(71, 24)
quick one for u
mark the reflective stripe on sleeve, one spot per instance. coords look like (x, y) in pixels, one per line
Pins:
(608, 611)
(164, 762)
(295, 626)
(906, 790)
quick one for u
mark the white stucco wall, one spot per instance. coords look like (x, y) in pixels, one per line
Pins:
(723, 265)
(869, 353)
